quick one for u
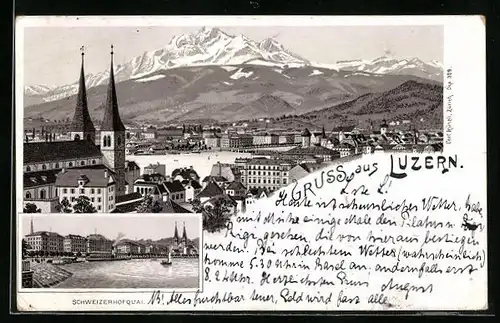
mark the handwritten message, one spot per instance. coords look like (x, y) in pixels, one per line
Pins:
(375, 234)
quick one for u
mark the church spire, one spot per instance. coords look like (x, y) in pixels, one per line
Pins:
(82, 123)
(31, 227)
(176, 234)
(112, 121)
(184, 234)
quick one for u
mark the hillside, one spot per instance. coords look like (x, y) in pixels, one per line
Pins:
(421, 103)
(225, 93)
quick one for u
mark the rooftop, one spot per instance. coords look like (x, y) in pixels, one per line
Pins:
(39, 152)
(45, 177)
(122, 199)
(211, 190)
(95, 177)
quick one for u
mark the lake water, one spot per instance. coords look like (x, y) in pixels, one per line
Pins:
(135, 273)
(202, 162)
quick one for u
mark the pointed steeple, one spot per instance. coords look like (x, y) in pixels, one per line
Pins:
(81, 120)
(184, 234)
(31, 227)
(323, 133)
(111, 121)
(176, 234)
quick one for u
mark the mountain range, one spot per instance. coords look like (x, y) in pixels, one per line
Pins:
(226, 77)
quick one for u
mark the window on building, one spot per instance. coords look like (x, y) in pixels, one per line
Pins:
(72, 199)
(44, 167)
(28, 195)
(77, 137)
(92, 199)
(99, 207)
(82, 191)
(284, 180)
(70, 164)
(92, 191)
(72, 191)
(98, 200)
(43, 194)
(98, 191)
(65, 190)
(82, 163)
(93, 161)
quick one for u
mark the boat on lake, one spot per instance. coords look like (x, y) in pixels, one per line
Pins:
(168, 261)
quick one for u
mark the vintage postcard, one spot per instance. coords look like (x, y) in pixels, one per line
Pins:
(251, 163)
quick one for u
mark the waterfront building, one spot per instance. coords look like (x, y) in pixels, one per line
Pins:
(75, 243)
(149, 133)
(224, 141)
(97, 243)
(45, 241)
(271, 174)
(169, 133)
(128, 247)
(299, 154)
(97, 184)
(212, 141)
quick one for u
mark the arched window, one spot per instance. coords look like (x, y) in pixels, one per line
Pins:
(70, 164)
(28, 195)
(42, 194)
(82, 163)
(56, 165)
(28, 169)
(109, 141)
(104, 141)
(77, 137)
(44, 167)
(93, 162)
(89, 136)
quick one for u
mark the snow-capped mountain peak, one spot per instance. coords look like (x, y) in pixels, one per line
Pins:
(212, 46)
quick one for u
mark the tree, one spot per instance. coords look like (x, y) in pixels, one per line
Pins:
(149, 205)
(216, 217)
(24, 248)
(64, 206)
(31, 208)
(83, 205)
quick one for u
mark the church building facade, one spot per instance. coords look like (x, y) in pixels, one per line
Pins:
(52, 166)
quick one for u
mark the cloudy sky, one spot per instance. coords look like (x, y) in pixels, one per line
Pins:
(132, 226)
(52, 56)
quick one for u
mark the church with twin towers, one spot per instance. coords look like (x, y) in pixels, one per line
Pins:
(112, 131)
(92, 163)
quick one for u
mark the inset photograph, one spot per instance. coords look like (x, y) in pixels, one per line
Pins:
(109, 251)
